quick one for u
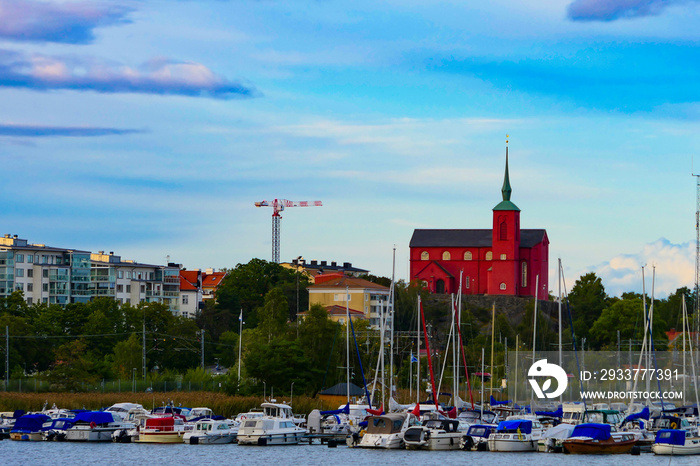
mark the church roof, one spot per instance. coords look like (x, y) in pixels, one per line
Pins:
(469, 238)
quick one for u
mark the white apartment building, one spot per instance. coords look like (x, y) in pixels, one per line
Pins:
(61, 276)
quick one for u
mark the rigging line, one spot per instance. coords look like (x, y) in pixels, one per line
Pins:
(362, 371)
(41, 337)
(573, 337)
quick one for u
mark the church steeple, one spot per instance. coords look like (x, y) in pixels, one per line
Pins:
(506, 190)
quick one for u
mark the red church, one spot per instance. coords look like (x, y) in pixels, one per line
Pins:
(504, 260)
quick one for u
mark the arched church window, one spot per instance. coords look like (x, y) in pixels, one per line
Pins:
(446, 255)
(524, 275)
(503, 233)
(503, 286)
(424, 256)
(468, 256)
(489, 255)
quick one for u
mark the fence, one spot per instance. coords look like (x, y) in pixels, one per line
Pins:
(36, 385)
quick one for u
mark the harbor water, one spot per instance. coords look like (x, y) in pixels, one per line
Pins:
(60, 453)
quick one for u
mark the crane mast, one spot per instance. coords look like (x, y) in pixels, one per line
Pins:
(278, 205)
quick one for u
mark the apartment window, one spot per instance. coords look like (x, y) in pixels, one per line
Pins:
(30, 273)
(128, 288)
(19, 272)
(30, 258)
(45, 287)
(184, 299)
(29, 301)
(468, 256)
(45, 300)
(19, 286)
(19, 258)
(44, 259)
(340, 297)
(120, 274)
(45, 273)
(143, 288)
(128, 300)
(120, 288)
(128, 275)
(30, 287)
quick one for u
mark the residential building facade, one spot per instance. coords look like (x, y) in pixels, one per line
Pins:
(61, 276)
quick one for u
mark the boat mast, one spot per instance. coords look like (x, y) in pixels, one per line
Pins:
(534, 333)
(418, 351)
(391, 316)
(561, 360)
(347, 342)
(493, 331)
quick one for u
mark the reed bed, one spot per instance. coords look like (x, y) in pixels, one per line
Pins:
(225, 405)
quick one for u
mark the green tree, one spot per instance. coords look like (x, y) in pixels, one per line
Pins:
(127, 356)
(72, 366)
(280, 363)
(587, 300)
(272, 316)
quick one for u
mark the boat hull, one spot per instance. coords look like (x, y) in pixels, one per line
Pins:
(676, 450)
(271, 439)
(161, 437)
(585, 447)
(511, 445)
(89, 435)
(26, 436)
(209, 439)
(385, 441)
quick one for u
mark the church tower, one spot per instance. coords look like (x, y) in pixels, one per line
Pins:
(504, 273)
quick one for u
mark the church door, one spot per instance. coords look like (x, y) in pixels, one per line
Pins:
(440, 286)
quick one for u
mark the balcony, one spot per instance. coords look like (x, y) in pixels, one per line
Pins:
(171, 293)
(102, 292)
(100, 278)
(175, 280)
(153, 294)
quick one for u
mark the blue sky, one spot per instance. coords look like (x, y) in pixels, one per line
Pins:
(150, 128)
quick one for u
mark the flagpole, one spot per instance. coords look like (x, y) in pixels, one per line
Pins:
(240, 343)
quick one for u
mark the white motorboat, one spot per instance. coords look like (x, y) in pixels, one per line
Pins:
(517, 434)
(95, 426)
(275, 427)
(434, 434)
(122, 409)
(386, 431)
(676, 442)
(212, 432)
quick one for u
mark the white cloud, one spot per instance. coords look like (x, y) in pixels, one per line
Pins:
(674, 265)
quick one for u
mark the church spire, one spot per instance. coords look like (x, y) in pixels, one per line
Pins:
(506, 190)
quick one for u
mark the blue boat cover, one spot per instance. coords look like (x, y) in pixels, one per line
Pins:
(643, 414)
(62, 423)
(480, 430)
(670, 437)
(98, 417)
(524, 425)
(344, 410)
(30, 423)
(18, 414)
(558, 413)
(593, 430)
(495, 402)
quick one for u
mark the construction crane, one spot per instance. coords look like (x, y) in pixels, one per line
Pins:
(278, 205)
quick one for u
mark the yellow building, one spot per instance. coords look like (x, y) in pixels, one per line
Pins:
(366, 299)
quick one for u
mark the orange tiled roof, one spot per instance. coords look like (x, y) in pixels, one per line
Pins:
(212, 280)
(188, 280)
